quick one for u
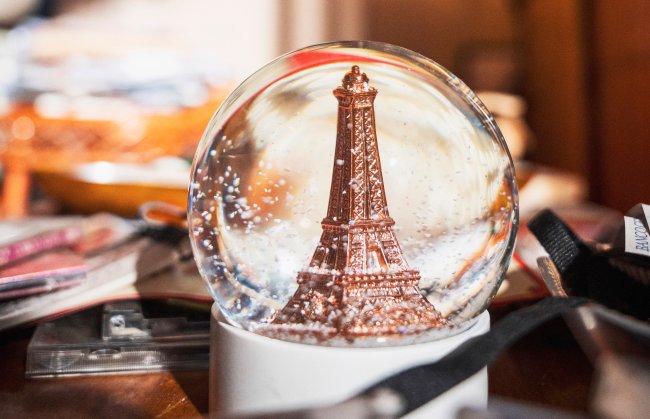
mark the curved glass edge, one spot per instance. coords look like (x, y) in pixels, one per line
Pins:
(259, 81)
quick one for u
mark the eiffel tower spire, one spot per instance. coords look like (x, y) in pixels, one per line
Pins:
(358, 282)
(357, 192)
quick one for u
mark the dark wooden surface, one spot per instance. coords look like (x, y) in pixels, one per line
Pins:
(545, 368)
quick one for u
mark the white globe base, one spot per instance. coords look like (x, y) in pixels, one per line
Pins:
(253, 375)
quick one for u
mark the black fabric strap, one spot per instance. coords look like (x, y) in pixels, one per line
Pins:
(587, 272)
(569, 254)
(421, 384)
(561, 243)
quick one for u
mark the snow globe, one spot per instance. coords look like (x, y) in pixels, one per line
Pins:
(353, 210)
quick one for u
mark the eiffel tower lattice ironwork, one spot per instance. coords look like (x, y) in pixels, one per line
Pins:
(358, 282)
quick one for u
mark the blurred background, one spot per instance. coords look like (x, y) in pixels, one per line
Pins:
(102, 102)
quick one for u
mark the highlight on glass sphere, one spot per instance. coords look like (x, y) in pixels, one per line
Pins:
(353, 194)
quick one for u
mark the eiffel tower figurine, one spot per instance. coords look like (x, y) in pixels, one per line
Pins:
(358, 282)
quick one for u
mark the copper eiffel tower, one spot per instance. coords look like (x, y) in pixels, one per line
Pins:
(358, 282)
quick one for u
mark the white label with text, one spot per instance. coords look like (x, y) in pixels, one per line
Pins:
(637, 239)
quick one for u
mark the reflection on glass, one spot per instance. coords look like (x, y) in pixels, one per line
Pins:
(262, 174)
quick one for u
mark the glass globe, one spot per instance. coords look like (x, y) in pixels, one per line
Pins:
(262, 173)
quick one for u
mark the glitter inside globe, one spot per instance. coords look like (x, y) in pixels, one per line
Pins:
(261, 198)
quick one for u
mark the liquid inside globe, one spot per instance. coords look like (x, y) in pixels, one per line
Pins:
(353, 194)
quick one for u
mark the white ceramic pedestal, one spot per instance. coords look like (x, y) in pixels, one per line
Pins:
(252, 374)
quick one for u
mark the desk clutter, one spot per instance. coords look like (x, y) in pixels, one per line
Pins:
(56, 265)
(124, 336)
(121, 336)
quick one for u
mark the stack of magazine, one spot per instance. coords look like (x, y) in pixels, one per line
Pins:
(51, 266)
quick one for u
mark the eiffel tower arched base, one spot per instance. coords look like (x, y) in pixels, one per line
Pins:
(357, 306)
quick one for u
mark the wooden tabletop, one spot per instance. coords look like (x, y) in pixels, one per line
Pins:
(545, 368)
